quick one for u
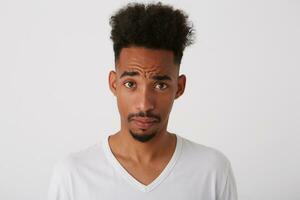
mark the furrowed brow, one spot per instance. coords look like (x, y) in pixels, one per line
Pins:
(161, 78)
(129, 73)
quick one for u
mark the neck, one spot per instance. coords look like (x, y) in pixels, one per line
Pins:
(124, 145)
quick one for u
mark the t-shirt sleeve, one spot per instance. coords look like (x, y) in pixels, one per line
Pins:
(59, 187)
(229, 191)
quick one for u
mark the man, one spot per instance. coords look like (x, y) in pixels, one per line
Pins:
(143, 160)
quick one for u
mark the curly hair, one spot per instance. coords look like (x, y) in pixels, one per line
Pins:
(153, 26)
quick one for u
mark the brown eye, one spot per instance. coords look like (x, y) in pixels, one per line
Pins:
(129, 84)
(161, 86)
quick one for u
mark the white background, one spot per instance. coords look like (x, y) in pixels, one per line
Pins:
(242, 94)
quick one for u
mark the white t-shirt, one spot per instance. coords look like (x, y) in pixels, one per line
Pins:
(195, 172)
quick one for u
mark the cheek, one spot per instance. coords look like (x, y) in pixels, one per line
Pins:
(164, 104)
(124, 101)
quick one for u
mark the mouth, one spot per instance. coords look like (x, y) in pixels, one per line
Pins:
(143, 123)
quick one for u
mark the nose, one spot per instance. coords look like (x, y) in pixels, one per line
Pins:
(145, 100)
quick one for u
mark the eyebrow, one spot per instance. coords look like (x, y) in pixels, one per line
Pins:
(127, 73)
(161, 77)
(155, 77)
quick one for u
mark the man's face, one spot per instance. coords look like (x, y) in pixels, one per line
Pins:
(145, 82)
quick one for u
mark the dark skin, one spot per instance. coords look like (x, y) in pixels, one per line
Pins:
(146, 83)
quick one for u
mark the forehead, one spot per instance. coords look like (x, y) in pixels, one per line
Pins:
(146, 61)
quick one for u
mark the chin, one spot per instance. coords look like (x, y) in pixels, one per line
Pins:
(142, 137)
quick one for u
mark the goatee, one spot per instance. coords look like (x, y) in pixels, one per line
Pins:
(143, 137)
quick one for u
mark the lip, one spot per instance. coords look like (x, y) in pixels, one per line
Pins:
(143, 123)
(144, 119)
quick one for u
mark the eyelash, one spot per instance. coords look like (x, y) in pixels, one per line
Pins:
(127, 82)
(166, 86)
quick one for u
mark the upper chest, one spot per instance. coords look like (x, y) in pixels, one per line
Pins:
(144, 173)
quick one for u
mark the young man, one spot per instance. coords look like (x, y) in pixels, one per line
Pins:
(143, 160)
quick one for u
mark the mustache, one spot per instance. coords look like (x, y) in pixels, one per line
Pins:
(144, 114)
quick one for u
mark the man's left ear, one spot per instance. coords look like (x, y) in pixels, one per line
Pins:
(181, 85)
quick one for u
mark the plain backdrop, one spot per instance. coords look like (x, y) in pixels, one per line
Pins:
(242, 93)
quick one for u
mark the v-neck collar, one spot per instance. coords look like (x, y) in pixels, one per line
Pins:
(128, 177)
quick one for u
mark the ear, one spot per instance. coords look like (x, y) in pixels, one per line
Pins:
(181, 85)
(112, 82)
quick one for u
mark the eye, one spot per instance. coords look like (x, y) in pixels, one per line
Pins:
(161, 86)
(129, 84)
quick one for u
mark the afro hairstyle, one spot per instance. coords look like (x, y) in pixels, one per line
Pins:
(154, 26)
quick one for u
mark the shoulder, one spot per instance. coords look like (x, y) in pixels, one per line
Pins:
(212, 164)
(208, 157)
(77, 160)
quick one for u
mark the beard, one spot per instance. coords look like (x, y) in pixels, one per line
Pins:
(142, 137)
